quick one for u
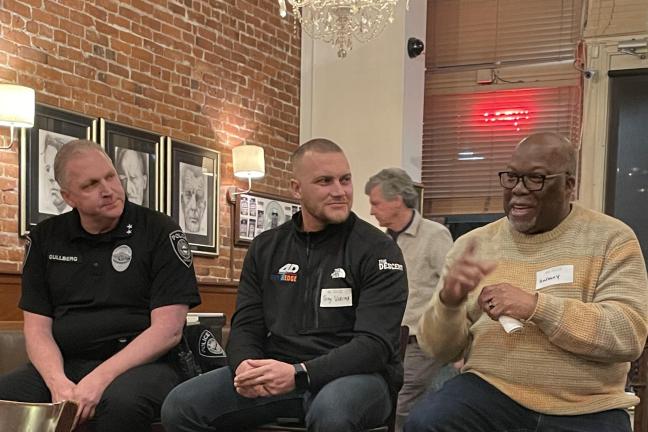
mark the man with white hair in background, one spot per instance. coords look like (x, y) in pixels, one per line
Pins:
(425, 244)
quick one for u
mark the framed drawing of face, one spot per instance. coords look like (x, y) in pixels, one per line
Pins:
(257, 212)
(136, 155)
(192, 193)
(40, 195)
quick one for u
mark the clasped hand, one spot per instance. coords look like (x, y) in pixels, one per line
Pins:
(86, 394)
(264, 377)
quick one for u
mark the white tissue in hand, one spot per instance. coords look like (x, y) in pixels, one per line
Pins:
(511, 325)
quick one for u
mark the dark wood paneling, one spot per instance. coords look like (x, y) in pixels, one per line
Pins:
(216, 297)
(9, 296)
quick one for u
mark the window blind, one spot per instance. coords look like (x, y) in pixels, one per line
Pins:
(470, 137)
(470, 131)
(498, 32)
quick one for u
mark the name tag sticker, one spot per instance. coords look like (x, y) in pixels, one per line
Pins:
(336, 297)
(554, 276)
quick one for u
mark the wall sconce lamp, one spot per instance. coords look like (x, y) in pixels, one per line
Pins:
(17, 106)
(630, 47)
(249, 163)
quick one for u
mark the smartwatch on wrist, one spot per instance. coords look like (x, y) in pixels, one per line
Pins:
(301, 377)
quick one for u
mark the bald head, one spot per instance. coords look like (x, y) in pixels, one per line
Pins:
(551, 159)
(316, 145)
(558, 149)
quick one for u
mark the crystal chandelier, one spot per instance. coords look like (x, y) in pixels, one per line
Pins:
(335, 21)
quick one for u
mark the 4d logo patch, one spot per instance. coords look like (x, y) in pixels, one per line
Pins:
(289, 268)
(181, 247)
(287, 273)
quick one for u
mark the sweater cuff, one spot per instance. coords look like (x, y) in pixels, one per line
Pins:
(548, 313)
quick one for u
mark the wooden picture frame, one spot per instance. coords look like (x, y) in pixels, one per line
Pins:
(256, 212)
(136, 156)
(39, 193)
(419, 191)
(192, 178)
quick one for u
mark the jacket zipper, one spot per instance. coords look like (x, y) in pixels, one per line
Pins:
(307, 284)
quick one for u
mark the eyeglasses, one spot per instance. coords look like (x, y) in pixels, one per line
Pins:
(532, 182)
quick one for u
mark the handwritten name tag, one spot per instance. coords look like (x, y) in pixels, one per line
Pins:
(336, 297)
(554, 276)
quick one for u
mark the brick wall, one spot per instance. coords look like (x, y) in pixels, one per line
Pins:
(208, 72)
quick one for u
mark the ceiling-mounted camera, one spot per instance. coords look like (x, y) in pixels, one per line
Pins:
(415, 47)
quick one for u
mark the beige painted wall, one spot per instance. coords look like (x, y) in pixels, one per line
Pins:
(371, 102)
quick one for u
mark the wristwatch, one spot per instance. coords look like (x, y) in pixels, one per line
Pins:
(302, 380)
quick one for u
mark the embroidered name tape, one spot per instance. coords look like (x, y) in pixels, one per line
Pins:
(336, 297)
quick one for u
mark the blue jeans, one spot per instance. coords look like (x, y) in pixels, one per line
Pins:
(467, 403)
(209, 402)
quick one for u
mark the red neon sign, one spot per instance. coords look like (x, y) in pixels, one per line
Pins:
(515, 117)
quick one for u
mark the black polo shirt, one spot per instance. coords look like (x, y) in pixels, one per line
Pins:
(101, 288)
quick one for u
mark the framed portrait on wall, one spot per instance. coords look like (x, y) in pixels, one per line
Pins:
(136, 155)
(257, 212)
(40, 195)
(192, 178)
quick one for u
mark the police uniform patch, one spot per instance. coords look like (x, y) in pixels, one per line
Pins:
(121, 257)
(181, 247)
(28, 243)
(209, 346)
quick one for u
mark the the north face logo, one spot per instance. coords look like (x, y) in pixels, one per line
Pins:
(338, 273)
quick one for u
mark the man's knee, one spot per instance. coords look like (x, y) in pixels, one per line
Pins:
(349, 403)
(173, 411)
(329, 422)
(190, 403)
(418, 420)
(115, 404)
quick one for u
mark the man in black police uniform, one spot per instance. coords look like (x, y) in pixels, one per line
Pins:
(105, 291)
(316, 329)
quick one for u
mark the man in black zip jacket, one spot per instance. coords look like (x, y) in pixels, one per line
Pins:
(316, 329)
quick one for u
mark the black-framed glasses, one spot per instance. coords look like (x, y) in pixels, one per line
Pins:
(532, 182)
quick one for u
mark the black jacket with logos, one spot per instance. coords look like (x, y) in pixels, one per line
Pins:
(333, 299)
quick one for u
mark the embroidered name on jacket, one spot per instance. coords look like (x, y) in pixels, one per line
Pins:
(384, 265)
(65, 258)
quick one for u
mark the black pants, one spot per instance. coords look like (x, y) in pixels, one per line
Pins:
(129, 404)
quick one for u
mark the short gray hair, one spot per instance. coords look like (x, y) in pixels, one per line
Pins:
(394, 182)
(67, 152)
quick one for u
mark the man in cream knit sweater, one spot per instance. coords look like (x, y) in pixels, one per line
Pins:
(575, 278)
